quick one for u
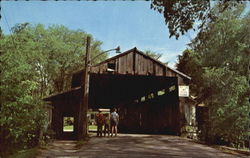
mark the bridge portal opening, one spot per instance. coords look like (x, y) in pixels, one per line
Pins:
(146, 104)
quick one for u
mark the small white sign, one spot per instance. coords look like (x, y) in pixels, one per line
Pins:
(183, 91)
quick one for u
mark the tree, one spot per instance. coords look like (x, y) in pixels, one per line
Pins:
(218, 65)
(152, 54)
(182, 15)
(21, 111)
(55, 53)
(190, 63)
(35, 62)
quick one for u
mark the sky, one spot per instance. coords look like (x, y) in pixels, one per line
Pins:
(126, 24)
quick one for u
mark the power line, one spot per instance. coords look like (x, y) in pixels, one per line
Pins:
(6, 21)
(11, 33)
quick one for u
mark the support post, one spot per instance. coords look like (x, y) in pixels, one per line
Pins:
(83, 120)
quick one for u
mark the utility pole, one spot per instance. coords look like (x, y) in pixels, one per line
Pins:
(83, 120)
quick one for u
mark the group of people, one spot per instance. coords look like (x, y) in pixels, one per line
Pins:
(109, 122)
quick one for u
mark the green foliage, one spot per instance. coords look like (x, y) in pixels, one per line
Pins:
(68, 121)
(55, 53)
(184, 15)
(30, 153)
(190, 63)
(228, 104)
(22, 113)
(35, 62)
(217, 63)
(152, 54)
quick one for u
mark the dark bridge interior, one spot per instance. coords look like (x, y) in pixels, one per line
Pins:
(146, 104)
(107, 91)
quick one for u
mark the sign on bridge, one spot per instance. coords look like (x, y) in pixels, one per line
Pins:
(183, 91)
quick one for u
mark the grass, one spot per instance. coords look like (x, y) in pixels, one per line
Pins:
(92, 127)
(68, 128)
(232, 150)
(29, 153)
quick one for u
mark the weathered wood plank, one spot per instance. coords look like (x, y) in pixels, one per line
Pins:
(134, 62)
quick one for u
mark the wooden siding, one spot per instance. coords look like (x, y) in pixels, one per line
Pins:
(65, 105)
(134, 62)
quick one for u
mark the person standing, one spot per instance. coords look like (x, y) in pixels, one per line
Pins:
(114, 122)
(99, 122)
(107, 124)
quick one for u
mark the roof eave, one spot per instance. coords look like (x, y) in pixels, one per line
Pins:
(180, 73)
(140, 52)
(60, 93)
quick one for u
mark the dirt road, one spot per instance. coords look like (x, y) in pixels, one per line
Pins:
(134, 146)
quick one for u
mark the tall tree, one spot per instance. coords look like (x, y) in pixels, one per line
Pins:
(55, 53)
(35, 61)
(21, 111)
(218, 64)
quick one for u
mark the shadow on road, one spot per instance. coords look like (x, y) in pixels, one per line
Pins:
(134, 146)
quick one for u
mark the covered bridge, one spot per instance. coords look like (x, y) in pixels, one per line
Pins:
(144, 90)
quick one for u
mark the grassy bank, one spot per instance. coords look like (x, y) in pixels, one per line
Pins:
(29, 153)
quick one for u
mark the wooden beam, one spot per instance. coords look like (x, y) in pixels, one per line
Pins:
(82, 121)
(134, 63)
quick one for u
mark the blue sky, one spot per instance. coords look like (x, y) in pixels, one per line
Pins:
(127, 24)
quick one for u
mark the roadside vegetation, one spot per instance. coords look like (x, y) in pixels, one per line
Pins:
(28, 153)
(218, 62)
(35, 62)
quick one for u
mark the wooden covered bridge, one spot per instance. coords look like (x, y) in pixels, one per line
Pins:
(144, 90)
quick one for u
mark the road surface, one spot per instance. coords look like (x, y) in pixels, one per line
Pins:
(134, 146)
